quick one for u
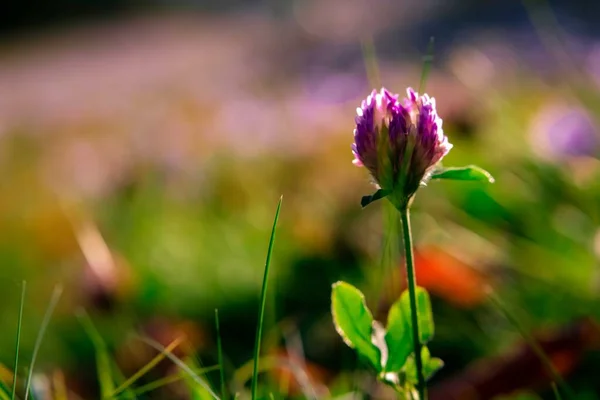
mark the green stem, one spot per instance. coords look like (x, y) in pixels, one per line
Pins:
(412, 293)
(263, 300)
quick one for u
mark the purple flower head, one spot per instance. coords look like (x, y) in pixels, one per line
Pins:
(398, 142)
(562, 130)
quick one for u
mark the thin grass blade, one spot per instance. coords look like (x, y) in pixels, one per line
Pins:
(142, 371)
(368, 50)
(171, 379)
(245, 372)
(220, 357)
(263, 298)
(107, 370)
(5, 392)
(103, 364)
(197, 392)
(552, 36)
(127, 393)
(533, 344)
(427, 61)
(297, 364)
(38, 341)
(18, 340)
(556, 392)
(157, 346)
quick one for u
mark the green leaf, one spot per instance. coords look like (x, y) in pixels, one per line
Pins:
(430, 366)
(397, 338)
(424, 314)
(380, 194)
(467, 173)
(354, 322)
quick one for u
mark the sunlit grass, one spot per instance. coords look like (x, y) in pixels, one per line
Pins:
(263, 299)
(40, 336)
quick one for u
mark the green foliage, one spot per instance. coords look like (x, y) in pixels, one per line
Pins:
(430, 366)
(196, 244)
(424, 313)
(393, 356)
(103, 363)
(397, 338)
(379, 194)
(354, 322)
(468, 173)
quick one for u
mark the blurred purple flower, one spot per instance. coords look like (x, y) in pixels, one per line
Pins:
(561, 130)
(399, 143)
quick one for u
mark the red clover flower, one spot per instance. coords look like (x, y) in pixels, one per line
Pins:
(399, 142)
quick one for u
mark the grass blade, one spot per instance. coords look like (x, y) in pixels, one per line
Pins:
(196, 392)
(38, 341)
(170, 379)
(293, 344)
(18, 343)
(427, 61)
(157, 346)
(127, 393)
(556, 392)
(103, 365)
(552, 36)
(107, 370)
(368, 50)
(263, 298)
(220, 357)
(5, 393)
(533, 344)
(142, 371)
(245, 372)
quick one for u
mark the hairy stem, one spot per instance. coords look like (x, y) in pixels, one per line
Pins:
(412, 289)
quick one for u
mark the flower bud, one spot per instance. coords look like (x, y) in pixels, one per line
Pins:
(399, 142)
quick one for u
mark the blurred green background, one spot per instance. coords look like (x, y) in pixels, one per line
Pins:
(144, 147)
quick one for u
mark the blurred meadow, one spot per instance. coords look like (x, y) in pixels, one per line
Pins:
(144, 147)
